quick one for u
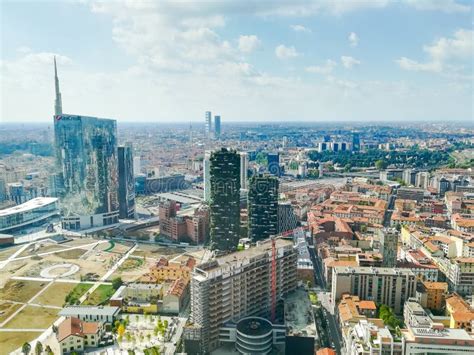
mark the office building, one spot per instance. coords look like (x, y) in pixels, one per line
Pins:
(443, 186)
(262, 207)
(355, 142)
(244, 167)
(126, 192)
(137, 165)
(237, 285)
(409, 176)
(217, 126)
(273, 161)
(207, 176)
(389, 286)
(422, 180)
(389, 246)
(86, 151)
(58, 106)
(225, 199)
(208, 127)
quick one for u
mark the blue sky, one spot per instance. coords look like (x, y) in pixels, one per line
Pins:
(247, 60)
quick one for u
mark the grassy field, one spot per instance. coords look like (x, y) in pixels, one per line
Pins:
(34, 318)
(131, 263)
(77, 292)
(71, 254)
(20, 291)
(10, 341)
(100, 295)
(55, 294)
(7, 309)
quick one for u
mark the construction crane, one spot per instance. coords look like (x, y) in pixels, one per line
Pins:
(274, 281)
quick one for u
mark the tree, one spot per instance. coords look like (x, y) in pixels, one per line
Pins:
(49, 351)
(121, 330)
(380, 164)
(117, 282)
(38, 348)
(26, 348)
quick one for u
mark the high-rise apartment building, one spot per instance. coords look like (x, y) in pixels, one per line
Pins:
(244, 167)
(237, 285)
(126, 185)
(262, 207)
(207, 176)
(225, 199)
(86, 151)
(389, 246)
(208, 128)
(217, 126)
(389, 286)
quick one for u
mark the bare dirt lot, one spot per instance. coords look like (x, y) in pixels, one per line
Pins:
(9, 341)
(20, 291)
(33, 318)
(55, 294)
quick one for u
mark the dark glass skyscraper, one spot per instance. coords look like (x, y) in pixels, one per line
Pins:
(217, 126)
(262, 207)
(86, 151)
(273, 160)
(355, 142)
(225, 199)
(126, 183)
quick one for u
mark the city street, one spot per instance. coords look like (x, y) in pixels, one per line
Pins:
(328, 317)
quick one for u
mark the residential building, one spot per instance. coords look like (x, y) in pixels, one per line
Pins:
(287, 220)
(389, 286)
(432, 295)
(460, 312)
(237, 285)
(207, 176)
(75, 335)
(410, 193)
(126, 183)
(262, 207)
(244, 167)
(225, 200)
(389, 246)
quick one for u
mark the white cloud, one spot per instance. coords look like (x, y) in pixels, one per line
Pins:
(349, 62)
(300, 28)
(353, 39)
(448, 6)
(322, 69)
(248, 44)
(413, 65)
(284, 52)
(458, 48)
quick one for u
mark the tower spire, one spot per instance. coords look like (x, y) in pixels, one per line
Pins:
(58, 106)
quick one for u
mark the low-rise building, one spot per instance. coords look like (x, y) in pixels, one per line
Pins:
(75, 335)
(432, 295)
(460, 312)
(103, 314)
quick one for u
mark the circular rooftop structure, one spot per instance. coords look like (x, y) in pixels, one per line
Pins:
(254, 336)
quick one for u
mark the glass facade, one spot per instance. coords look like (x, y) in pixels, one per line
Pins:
(126, 190)
(86, 150)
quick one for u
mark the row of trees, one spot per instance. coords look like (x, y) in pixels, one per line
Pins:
(39, 349)
(422, 158)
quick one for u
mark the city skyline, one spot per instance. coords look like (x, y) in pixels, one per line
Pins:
(302, 61)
